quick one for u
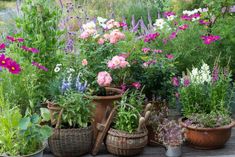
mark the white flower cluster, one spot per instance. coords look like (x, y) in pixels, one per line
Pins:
(188, 12)
(102, 21)
(89, 26)
(160, 24)
(171, 18)
(201, 76)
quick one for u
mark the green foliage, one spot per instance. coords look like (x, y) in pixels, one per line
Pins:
(20, 135)
(39, 25)
(77, 109)
(129, 110)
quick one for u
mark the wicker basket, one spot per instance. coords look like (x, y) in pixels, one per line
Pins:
(68, 142)
(71, 142)
(124, 144)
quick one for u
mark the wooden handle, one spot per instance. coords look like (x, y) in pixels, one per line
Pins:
(146, 116)
(141, 122)
(148, 107)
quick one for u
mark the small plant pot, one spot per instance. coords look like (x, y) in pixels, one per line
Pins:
(173, 151)
(125, 144)
(207, 138)
(38, 153)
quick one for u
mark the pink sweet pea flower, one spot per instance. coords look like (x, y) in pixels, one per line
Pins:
(146, 50)
(170, 56)
(104, 79)
(2, 46)
(137, 85)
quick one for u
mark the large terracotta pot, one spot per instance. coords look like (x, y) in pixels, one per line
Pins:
(207, 138)
(104, 102)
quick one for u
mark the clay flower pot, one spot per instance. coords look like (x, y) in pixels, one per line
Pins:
(207, 138)
(104, 102)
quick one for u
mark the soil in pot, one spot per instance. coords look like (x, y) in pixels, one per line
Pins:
(207, 138)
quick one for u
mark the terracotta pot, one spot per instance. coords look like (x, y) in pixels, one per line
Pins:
(104, 102)
(207, 138)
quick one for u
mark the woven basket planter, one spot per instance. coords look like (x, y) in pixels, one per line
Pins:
(71, 142)
(125, 144)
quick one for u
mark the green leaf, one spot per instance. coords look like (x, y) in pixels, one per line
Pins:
(35, 119)
(45, 113)
(24, 123)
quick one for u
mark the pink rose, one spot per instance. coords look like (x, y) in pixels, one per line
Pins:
(117, 62)
(101, 41)
(104, 79)
(106, 36)
(84, 62)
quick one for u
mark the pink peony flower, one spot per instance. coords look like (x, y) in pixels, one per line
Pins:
(115, 36)
(101, 41)
(137, 85)
(104, 79)
(2, 46)
(84, 62)
(170, 56)
(117, 62)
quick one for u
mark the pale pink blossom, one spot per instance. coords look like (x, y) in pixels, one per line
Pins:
(101, 41)
(84, 62)
(117, 62)
(106, 36)
(104, 79)
(84, 35)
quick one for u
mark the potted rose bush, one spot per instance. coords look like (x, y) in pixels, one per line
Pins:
(205, 96)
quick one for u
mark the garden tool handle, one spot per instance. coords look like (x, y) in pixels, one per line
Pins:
(141, 122)
(59, 119)
(146, 116)
(147, 107)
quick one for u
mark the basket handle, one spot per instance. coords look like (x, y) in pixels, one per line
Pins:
(59, 118)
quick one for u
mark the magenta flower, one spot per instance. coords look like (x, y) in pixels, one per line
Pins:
(170, 56)
(14, 67)
(20, 40)
(39, 66)
(168, 13)
(186, 17)
(137, 85)
(2, 46)
(146, 50)
(10, 38)
(165, 41)
(175, 81)
(204, 22)
(123, 87)
(183, 27)
(173, 35)
(4, 62)
(122, 24)
(151, 37)
(210, 38)
(33, 50)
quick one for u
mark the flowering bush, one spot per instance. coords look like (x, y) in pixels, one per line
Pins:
(206, 92)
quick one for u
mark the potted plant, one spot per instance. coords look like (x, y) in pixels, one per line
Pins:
(205, 96)
(21, 135)
(128, 127)
(171, 135)
(71, 113)
(101, 62)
